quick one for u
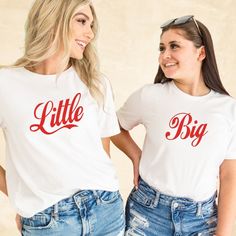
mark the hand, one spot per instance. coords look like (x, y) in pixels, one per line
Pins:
(136, 174)
(18, 222)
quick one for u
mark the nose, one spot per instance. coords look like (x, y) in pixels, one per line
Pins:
(89, 33)
(166, 54)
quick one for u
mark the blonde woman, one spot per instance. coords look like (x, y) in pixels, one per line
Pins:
(57, 120)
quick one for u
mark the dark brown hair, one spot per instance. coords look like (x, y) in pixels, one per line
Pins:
(210, 71)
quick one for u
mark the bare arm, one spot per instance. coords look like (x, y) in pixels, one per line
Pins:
(126, 144)
(3, 188)
(227, 198)
(3, 185)
(106, 145)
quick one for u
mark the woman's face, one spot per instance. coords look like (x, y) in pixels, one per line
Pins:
(179, 58)
(81, 31)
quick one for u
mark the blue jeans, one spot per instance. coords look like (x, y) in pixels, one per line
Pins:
(87, 213)
(151, 213)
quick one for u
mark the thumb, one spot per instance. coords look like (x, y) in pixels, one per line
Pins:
(18, 222)
(136, 178)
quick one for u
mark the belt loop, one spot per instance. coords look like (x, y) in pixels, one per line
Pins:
(55, 211)
(199, 209)
(96, 196)
(156, 199)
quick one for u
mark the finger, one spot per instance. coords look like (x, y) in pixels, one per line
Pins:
(136, 180)
(18, 223)
(19, 227)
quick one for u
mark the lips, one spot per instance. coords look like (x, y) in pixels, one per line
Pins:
(81, 43)
(169, 64)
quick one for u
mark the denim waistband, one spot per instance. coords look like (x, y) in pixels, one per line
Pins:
(82, 196)
(151, 194)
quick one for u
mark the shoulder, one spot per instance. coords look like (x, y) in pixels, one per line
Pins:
(227, 104)
(231, 104)
(226, 100)
(104, 85)
(104, 81)
(150, 91)
(145, 95)
(9, 69)
(154, 87)
(5, 71)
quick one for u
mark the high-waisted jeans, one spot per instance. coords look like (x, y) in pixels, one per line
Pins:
(87, 213)
(151, 213)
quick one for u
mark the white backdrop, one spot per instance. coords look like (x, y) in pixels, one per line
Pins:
(128, 50)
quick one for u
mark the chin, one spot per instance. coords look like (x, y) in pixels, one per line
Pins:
(77, 57)
(170, 76)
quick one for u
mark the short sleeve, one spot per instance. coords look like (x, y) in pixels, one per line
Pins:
(108, 122)
(231, 151)
(130, 114)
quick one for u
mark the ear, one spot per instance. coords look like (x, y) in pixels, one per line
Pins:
(202, 53)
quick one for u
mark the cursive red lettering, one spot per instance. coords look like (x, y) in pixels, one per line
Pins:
(182, 126)
(53, 118)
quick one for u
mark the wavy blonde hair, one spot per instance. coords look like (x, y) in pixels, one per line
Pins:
(48, 29)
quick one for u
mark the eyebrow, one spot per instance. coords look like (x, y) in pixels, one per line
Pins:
(80, 13)
(170, 42)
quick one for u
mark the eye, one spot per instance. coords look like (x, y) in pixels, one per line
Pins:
(82, 21)
(174, 46)
(161, 48)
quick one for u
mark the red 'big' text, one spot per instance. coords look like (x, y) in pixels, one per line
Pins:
(184, 127)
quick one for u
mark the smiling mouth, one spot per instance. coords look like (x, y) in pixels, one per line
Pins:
(170, 64)
(81, 44)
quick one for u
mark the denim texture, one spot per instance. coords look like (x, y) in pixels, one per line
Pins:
(151, 213)
(87, 213)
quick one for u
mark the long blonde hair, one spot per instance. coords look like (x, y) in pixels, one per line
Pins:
(48, 28)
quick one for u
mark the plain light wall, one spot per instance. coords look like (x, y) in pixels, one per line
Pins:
(128, 51)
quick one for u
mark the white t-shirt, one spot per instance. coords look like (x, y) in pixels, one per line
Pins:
(53, 129)
(187, 137)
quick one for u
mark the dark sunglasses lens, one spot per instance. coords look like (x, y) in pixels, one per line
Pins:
(167, 23)
(183, 19)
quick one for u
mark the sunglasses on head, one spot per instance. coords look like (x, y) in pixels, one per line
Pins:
(181, 20)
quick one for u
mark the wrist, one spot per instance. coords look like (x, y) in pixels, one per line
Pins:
(136, 160)
(222, 234)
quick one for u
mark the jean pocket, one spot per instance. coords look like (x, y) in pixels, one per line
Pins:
(211, 222)
(136, 223)
(107, 197)
(38, 221)
(133, 232)
(141, 198)
(210, 218)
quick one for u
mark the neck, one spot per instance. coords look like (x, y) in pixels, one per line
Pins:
(193, 87)
(49, 66)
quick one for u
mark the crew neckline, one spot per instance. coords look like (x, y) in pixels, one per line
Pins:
(43, 76)
(186, 95)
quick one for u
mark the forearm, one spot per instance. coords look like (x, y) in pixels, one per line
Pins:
(226, 206)
(126, 144)
(3, 185)
(106, 145)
